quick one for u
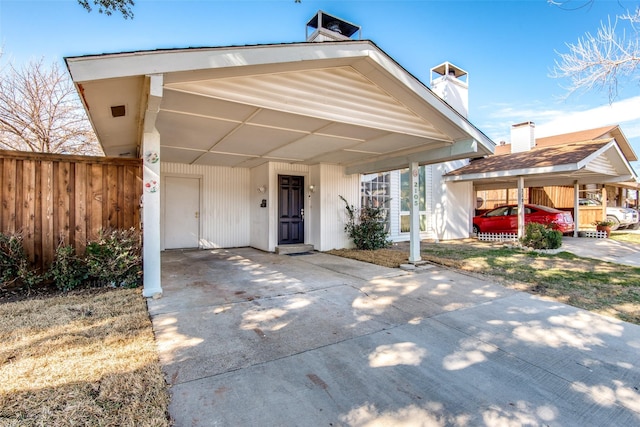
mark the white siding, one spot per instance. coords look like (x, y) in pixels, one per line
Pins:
(334, 183)
(260, 215)
(429, 184)
(225, 203)
(459, 211)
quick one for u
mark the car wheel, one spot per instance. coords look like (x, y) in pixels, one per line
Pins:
(476, 229)
(634, 226)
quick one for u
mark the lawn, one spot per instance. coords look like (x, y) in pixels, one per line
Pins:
(85, 358)
(601, 287)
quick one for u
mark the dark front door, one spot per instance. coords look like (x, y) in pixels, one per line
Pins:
(290, 209)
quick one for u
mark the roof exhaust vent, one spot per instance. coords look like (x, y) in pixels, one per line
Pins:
(335, 27)
(118, 110)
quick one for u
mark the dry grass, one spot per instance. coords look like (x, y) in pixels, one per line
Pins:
(594, 285)
(81, 359)
(392, 258)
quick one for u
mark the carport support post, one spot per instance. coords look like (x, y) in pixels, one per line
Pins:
(576, 209)
(151, 219)
(151, 191)
(414, 215)
(520, 207)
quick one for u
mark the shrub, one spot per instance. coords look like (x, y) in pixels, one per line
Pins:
(67, 269)
(15, 268)
(540, 236)
(115, 258)
(366, 227)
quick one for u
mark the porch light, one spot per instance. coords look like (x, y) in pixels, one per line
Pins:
(312, 188)
(262, 189)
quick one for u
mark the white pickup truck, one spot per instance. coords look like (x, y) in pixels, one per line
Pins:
(621, 217)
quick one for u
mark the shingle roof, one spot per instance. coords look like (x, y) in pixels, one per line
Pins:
(535, 158)
(604, 132)
(583, 135)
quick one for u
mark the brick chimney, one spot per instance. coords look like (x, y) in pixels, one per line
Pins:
(523, 137)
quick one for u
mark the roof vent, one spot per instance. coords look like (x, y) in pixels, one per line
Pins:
(334, 26)
(118, 110)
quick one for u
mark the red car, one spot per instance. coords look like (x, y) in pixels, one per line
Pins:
(505, 219)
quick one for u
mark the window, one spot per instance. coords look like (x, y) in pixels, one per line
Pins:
(375, 191)
(405, 200)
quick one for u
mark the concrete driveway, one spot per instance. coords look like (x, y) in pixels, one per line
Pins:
(248, 338)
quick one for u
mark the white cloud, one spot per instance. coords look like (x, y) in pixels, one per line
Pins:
(625, 113)
(551, 120)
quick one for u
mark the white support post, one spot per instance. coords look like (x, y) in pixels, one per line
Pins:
(151, 263)
(576, 209)
(414, 215)
(520, 207)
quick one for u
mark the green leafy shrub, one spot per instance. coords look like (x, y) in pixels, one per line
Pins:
(115, 258)
(366, 227)
(540, 236)
(67, 269)
(15, 268)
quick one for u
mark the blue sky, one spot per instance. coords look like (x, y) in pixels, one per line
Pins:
(508, 47)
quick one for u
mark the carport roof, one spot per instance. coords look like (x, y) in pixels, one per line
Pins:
(344, 102)
(587, 162)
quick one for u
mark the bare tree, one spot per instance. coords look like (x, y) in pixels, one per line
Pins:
(40, 111)
(109, 6)
(599, 61)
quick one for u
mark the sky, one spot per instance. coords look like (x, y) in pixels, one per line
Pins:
(509, 48)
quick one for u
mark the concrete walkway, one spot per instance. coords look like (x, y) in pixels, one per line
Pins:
(248, 338)
(604, 249)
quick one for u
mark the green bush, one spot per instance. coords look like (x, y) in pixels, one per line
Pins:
(540, 236)
(67, 269)
(15, 268)
(115, 258)
(366, 227)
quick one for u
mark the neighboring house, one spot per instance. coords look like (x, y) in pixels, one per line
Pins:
(254, 145)
(555, 171)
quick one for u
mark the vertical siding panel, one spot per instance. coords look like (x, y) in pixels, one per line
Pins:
(429, 186)
(80, 227)
(335, 184)
(49, 198)
(62, 217)
(111, 192)
(129, 199)
(120, 189)
(224, 202)
(19, 197)
(37, 213)
(28, 208)
(47, 207)
(61, 212)
(95, 189)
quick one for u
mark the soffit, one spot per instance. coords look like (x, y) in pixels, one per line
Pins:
(354, 108)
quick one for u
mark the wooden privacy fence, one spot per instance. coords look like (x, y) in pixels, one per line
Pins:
(50, 198)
